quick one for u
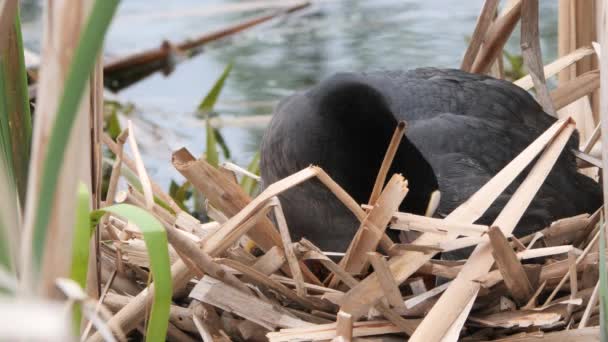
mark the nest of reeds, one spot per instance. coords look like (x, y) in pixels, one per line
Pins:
(541, 286)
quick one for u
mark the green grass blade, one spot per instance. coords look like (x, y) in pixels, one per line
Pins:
(9, 218)
(209, 102)
(80, 245)
(82, 64)
(82, 237)
(221, 142)
(15, 118)
(247, 183)
(211, 155)
(155, 238)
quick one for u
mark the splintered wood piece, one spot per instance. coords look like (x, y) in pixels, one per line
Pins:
(214, 292)
(556, 66)
(495, 39)
(360, 298)
(575, 89)
(391, 290)
(263, 280)
(455, 303)
(229, 198)
(407, 221)
(511, 269)
(387, 161)
(270, 262)
(481, 28)
(292, 261)
(368, 236)
(321, 332)
(344, 327)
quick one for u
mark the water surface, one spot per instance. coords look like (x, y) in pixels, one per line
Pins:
(274, 59)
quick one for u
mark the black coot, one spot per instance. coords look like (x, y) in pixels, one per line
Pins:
(462, 129)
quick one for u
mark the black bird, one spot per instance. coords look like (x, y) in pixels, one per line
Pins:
(462, 129)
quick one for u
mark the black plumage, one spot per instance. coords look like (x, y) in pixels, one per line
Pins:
(462, 129)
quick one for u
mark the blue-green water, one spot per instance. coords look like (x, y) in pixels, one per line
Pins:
(273, 59)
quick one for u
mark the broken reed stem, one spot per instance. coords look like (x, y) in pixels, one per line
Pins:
(530, 48)
(590, 306)
(344, 327)
(368, 292)
(575, 89)
(481, 28)
(495, 39)
(387, 161)
(510, 267)
(292, 260)
(372, 228)
(141, 169)
(389, 286)
(131, 165)
(578, 260)
(556, 66)
(453, 306)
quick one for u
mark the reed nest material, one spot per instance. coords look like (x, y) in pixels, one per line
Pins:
(222, 291)
(539, 287)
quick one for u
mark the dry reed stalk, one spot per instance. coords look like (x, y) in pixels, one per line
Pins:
(512, 271)
(96, 99)
(216, 293)
(579, 259)
(62, 25)
(556, 66)
(590, 305)
(223, 194)
(387, 161)
(230, 199)
(131, 165)
(406, 221)
(454, 305)
(390, 288)
(270, 262)
(290, 255)
(129, 317)
(367, 237)
(495, 39)
(314, 253)
(368, 292)
(530, 48)
(263, 280)
(321, 332)
(344, 328)
(481, 27)
(576, 88)
(565, 39)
